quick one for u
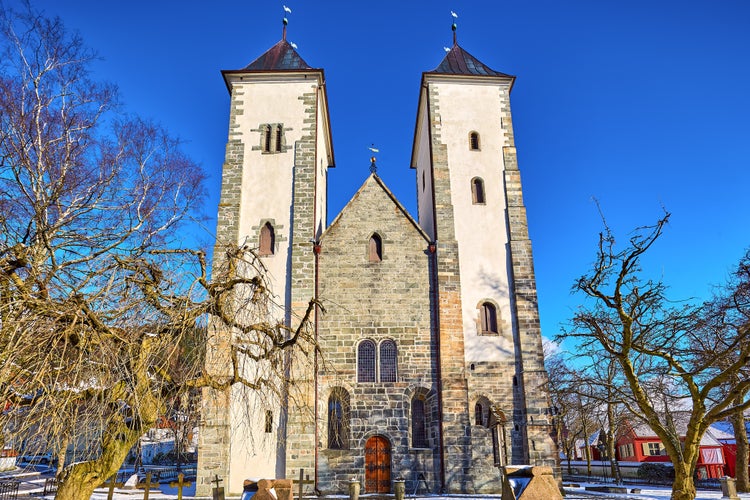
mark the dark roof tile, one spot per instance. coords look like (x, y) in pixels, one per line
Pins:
(280, 57)
(459, 62)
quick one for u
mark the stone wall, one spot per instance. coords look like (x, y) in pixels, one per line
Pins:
(300, 434)
(382, 300)
(214, 439)
(454, 398)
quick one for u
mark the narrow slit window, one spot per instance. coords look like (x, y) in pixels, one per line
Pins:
(279, 136)
(267, 240)
(366, 361)
(477, 191)
(269, 421)
(478, 414)
(474, 141)
(267, 139)
(488, 319)
(376, 248)
(418, 423)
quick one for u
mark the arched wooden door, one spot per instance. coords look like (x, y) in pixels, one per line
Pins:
(377, 465)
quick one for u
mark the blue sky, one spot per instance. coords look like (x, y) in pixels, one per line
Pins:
(642, 105)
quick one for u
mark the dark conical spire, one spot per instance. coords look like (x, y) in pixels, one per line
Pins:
(280, 57)
(459, 62)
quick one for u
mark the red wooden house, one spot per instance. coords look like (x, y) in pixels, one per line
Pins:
(638, 443)
(723, 432)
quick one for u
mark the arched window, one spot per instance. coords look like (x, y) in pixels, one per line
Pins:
(376, 248)
(477, 190)
(366, 361)
(488, 319)
(478, 414)
(474, 141)
(267, 240)
(279, 135)
(338, 419)
(388, 361)
(418, 423)
(267, 139)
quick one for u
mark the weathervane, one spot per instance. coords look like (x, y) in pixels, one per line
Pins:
(287, 10)
(373, 166)
(453, 26)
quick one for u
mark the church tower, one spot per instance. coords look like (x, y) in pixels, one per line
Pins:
(470, 204)
(273, 199)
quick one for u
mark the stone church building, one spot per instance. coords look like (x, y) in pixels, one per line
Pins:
(431, 364)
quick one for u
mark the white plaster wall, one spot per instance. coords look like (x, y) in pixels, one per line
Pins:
(267, 189)
(267, 178)
(322, 159)
(424, 192)
(481, 230)
(253, 451)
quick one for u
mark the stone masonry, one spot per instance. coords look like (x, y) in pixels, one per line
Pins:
(454, 400)
(300, 438)
(214, 438)
(382, 300)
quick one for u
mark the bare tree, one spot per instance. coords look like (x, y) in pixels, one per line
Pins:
(574, 411)
(103, 314)
(630, 319)
(727, 317)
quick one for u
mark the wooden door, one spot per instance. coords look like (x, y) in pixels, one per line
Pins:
(377, 465)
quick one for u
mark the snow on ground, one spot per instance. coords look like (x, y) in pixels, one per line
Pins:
(646, 493)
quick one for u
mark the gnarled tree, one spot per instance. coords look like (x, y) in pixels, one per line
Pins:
(630, 319)
(102, 312)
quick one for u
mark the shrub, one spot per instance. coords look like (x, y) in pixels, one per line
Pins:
(652, 472)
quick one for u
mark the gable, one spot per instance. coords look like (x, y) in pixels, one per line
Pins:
(373, 206)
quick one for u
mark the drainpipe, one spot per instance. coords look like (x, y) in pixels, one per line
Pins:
(439, 379)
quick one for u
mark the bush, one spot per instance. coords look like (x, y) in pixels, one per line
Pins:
(651, 472)
(170, 458)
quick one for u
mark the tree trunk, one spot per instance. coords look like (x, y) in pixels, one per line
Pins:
(741, 465)
(79, 480)
(587, 449)
(683, 487)
(61, 454)
(611, 430)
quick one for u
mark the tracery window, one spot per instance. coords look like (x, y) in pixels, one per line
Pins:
(366, 361)
(388, 360)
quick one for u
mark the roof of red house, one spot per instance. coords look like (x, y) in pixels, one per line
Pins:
(644, 431)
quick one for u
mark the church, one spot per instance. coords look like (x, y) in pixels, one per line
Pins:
(430, 362)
